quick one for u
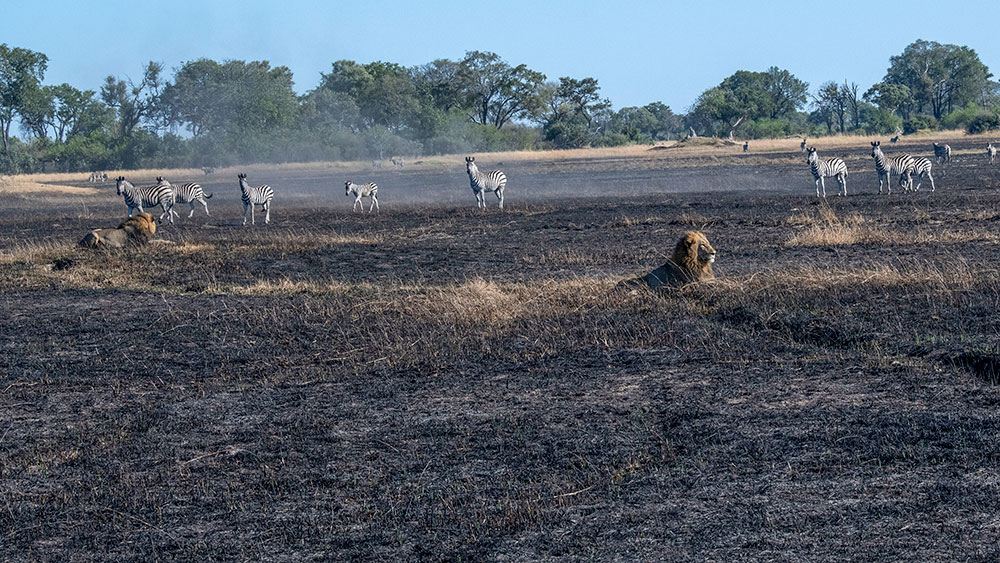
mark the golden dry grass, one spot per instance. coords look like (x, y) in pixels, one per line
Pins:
(26, 185)
(825, 228)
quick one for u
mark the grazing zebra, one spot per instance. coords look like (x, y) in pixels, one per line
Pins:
(147, 196)
(208, 170)
(261, 195)
(482, 182)
(377, 164)
(894, 139)
(98, 177)
(397, 162)
(802, 145)
(746, 146)
(189, 193)
(942, 153)
(831, 167)
(991, 153)
(922, 168)
(886, 167)
(361, 191)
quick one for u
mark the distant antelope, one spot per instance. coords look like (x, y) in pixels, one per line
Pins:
(802, 145)
(991, 153)
(482, 182)
(942, 153)
(361, 191)
(886, 167)
(146, 196)
(831, 167)
(189, 193)
(746, 146)
(261, 195)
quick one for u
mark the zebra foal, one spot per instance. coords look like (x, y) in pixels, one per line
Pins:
(942, 153)
(902, 165)
(261, 195)
(831, 167)
(361, 191)
(189, 193)
(482, 182)
(146, 196)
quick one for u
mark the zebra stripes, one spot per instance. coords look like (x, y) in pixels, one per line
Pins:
(189, 193)
(901, 165)
(991, 153)
(942, 153)
(146, 196)
(802, 145)
(922, 168)
(361, 191)
(831, 167)
(261, 195)
(482, 182)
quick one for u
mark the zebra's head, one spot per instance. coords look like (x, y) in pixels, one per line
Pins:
(120, 183)
(470, 164)
(347, 186)
(876, 149)
(811, 154)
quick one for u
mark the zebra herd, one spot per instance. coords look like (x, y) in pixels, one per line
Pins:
(903, 165)
(165, 195)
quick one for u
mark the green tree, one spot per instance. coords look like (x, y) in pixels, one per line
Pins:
(21, 74)
(496, 92)
(384, 93)
(749, 95)
(832, 101)
(134, 104)
(940, 77)
(891, 97)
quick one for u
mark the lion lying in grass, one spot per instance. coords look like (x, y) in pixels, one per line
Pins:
(691, 262)
(135, 231)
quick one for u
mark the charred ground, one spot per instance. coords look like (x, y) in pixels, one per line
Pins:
(438, 382)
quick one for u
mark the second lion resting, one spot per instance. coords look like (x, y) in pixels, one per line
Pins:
(691, 262)
(135, 231)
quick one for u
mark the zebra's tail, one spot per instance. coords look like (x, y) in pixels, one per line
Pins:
(209, 196)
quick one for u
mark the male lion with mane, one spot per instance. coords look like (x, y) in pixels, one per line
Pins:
(691, 262)
(135, 231)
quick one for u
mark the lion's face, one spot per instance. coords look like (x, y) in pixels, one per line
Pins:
(699, 246)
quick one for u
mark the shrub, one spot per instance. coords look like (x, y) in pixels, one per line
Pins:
(983, 122)
(919, 123)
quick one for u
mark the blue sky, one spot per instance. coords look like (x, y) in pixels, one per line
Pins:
(640, 52)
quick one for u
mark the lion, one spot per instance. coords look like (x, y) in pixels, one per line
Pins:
(691, 262)
(135, 231)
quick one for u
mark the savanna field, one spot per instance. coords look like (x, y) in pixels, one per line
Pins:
(440, 382)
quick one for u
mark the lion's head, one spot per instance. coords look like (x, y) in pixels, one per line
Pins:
(695, 254)
(692, 261)
(142, 223)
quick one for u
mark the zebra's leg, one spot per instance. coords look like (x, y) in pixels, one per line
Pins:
(500, 197)
(931, 178)
(842, 180)
(267, 213)
(880, 184)
(818, 182)
(205, 204)
(245, 214)
(357, 201)
(375, 201)
(191, 203)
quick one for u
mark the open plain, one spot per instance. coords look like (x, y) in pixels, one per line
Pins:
(438, 382)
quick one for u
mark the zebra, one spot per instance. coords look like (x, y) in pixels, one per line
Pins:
(746, 146)
(146, 196)
(361, 191)
(189, 193)
(397, 162)
(831, 167)
(802, 145)
(894, 139)
(377, 164)
(922, 168)
(942, 153)
(886, 167)
(96, 177)
(208, 170)
(991, 153)
(261, 195)
(482, 182)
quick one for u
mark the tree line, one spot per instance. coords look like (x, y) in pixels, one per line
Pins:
(212, 113)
